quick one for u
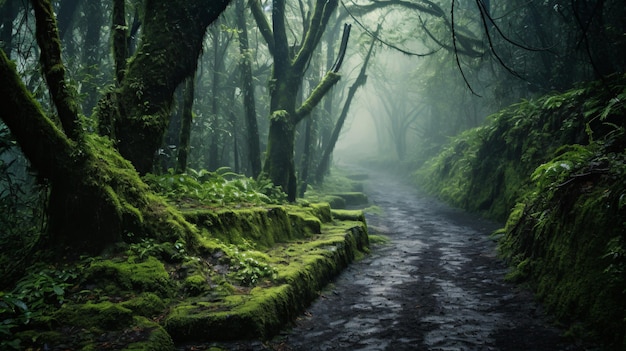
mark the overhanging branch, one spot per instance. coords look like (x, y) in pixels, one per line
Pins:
(263, 23)
(330, 79)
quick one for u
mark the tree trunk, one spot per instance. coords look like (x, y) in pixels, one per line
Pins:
(360, 81)
(214, 155)
(279, 162)
(285, 82)
(119, 34)
(92, 53)
(170, 29)
(66, 12)
(97, 197)
(247, 88)
(185, 128)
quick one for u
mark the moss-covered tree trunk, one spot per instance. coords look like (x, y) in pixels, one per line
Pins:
(285, 82)
(171, 41)
(97, 197)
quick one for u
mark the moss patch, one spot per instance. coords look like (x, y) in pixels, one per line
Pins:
(103, 315)
(302, 269)
(251, 271)
(114, 276)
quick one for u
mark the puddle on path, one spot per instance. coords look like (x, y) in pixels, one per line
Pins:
(436, 286)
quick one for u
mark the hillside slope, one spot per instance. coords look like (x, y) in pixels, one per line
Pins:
(556, 168)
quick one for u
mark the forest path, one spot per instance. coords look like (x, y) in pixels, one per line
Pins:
(437, 285)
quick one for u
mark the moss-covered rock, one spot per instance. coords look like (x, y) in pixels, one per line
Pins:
(348, 215)
(157, 339)
(146, 304)
(102, 315)
(263, 226)
(353, 198)
(302, 269)
(118, 275)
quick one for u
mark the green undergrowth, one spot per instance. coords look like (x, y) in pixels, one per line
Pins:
(222, 187)
(556, 168)
(251, 271)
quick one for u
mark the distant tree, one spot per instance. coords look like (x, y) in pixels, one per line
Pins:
(247, 87)
(361, 79)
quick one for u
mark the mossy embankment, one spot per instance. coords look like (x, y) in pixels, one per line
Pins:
(252, 270)
(553, 168)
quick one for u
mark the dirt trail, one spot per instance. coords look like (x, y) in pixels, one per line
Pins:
(436, 286)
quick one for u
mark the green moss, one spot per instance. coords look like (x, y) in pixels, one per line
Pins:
(353, 198)
(104, 315)
(348, 215)
(195, 285)
(147, 304)
(158, 339)
(335, 202)
(303, 268)
(378, 239)
(263, 226)
(132, 274)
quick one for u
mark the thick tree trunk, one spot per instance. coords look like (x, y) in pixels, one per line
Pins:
(97, 196)
(285, 82)
(279, 162)
(170, 29)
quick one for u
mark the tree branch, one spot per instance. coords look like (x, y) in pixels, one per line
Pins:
(321, 15)
(263, 23)
(53, 69)
(342, 49)
(330, 79)
(39, 138)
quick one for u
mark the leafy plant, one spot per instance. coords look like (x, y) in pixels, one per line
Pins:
(21, 208)
(247, 269)
(219, 187)
(571, 157)
(33, 295)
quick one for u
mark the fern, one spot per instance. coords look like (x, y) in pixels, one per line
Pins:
(220, 187)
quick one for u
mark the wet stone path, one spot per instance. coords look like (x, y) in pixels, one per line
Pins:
(437, 285)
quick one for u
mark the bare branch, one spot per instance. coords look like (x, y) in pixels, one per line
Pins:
(263, 23)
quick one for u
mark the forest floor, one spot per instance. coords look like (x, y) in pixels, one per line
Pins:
(436, 285)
